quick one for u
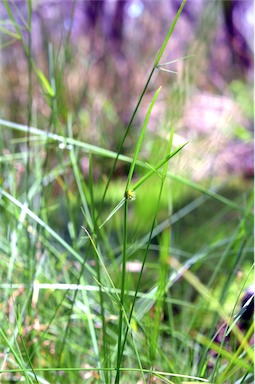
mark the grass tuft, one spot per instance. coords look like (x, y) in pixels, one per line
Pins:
(139, 294)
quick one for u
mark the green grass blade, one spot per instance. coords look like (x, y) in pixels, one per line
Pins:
(12, 18)
(16, 36)
(139, 143)
(48, 229)
(48, 137)
(118, 206)
(28, 357)
(129, 195)
(158, 166)
(18, 359)
(146, 251)
(45, 85)
(102, 263)
(163, 47)
(206, 191)
(158, 57)
(79, 179)
(123, 279)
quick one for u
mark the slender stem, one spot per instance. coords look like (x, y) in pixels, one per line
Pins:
(123, 275)
(124, 138)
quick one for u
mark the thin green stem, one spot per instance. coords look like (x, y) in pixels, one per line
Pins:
(123, 140)
(123, 275)
(158, 57)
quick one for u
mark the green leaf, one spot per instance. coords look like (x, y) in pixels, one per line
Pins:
(44, 82)
(11, 34)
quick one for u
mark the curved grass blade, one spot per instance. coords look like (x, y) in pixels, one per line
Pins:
(48, 136)
(89, 148)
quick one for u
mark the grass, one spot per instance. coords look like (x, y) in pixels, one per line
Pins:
(92, 293)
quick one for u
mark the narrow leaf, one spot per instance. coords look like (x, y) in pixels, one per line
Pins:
(159, 165)
(139, 143)
(45, 83)
(11, 34)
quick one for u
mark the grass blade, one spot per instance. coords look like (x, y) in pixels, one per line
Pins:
(158, 166)
(139, 143)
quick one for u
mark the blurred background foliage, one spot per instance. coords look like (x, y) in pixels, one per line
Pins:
(96, 56)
